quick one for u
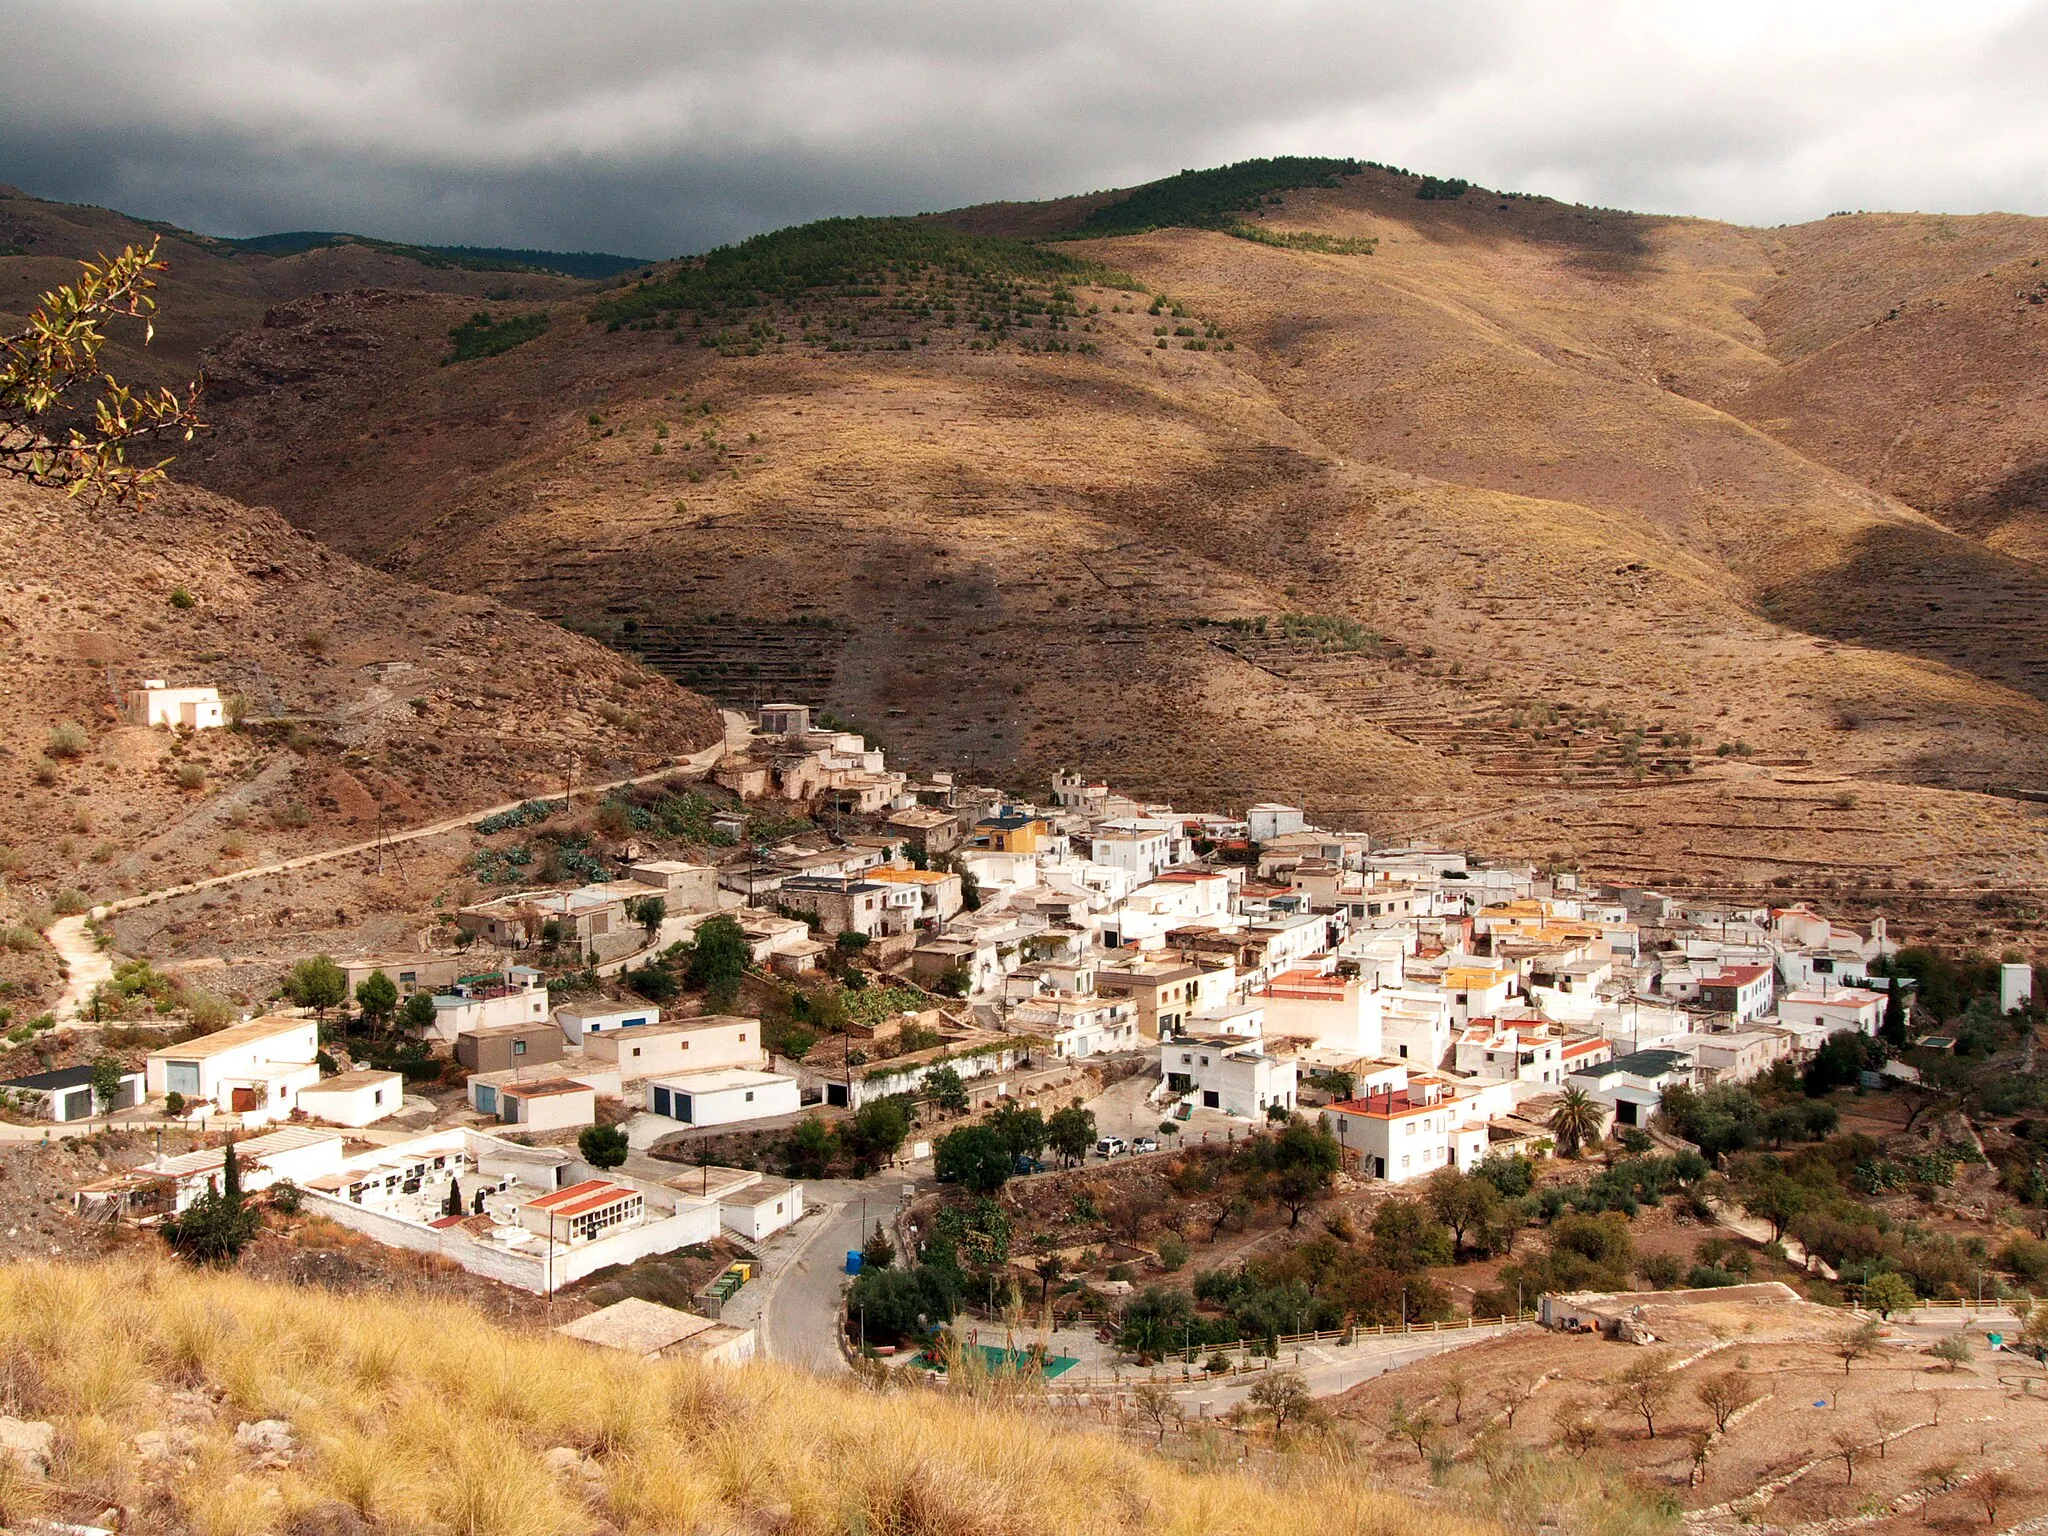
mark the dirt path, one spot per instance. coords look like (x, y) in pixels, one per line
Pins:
(89, 966)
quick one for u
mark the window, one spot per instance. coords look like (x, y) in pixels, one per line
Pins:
(750, 1095)
(636, 1050)
(518, 1047)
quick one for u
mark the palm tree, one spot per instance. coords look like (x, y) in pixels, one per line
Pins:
(1575, 1121)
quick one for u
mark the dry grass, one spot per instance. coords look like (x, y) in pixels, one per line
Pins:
(429, 1418)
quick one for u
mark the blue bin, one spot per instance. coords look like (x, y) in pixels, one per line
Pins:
(853, 1261)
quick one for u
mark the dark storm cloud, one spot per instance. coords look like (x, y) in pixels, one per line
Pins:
(654, 127)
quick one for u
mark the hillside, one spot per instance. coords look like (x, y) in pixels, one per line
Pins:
(1524, 574)
(1933, 389)
(405, 1414)
(367, 703)
(214, 287)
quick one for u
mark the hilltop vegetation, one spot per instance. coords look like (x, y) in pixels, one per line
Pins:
(852, 258)
(1212, 199)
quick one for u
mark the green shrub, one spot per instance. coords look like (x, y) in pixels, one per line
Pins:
(1213, 198)
(181, 597)
(481, 336)
(66, 741)
(1443, 189)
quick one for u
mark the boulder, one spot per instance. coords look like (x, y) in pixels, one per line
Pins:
(30, 1442)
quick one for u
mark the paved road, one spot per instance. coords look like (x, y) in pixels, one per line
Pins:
(68, 936)
(796, 1304)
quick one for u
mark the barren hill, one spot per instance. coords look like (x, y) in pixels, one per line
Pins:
(1486, 532)
(367, 703)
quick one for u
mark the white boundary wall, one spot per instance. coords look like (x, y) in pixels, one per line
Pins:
(695, 1223)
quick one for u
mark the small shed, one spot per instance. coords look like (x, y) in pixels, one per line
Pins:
(553, 1104)
(760, 1210)
(723, 1097)
(651, 1331)
(66, 1094)
(354, 1098)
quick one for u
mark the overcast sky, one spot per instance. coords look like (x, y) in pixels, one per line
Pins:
(652, 127)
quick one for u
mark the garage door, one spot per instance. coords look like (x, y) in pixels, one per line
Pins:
(661, 1101)
(77, 1104)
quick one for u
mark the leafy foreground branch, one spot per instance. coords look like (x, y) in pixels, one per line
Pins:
(43, 435)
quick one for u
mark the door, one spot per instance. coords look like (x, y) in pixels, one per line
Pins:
(683, 1108)
(242, 1100)
(76, 1104)
(661, 1101)
(835, 1095)
(1211, 1099)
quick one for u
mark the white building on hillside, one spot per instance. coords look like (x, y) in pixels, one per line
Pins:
(254, 1069)
(192, 709)
(1238, 1079)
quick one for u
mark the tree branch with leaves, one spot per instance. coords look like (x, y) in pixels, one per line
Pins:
(44, 437)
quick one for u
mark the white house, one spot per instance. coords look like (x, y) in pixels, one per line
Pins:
(1634, 1085)
(195, 709)
(1079, 1025)
(2015, 986)
(253, 1069)
(681, 1045)
(1415, 1022)
(1746, 991)
(1736, 1056)
(728, 1096)
(1341, 1013)
(354, 1099)
(1146, 852)
(1238, 1079)
(518, 995)
(1399, 1134)
(1268, 820)
(758, 1210)
(1833, 1010)
(579, 1021)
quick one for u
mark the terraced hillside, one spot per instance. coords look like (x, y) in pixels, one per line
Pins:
(1011, 513)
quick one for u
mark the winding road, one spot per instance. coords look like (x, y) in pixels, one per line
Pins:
(87, 965)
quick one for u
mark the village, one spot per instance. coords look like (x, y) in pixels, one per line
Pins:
(814, 1060)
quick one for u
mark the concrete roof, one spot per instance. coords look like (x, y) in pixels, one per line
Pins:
(637, 1327)
(233, 1038)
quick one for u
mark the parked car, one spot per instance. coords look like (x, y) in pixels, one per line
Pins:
(1029, 1164)
(1110, 1146)
(1145, 1144)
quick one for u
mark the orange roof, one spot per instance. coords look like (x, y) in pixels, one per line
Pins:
(888, 874)
(1393, 1105)
(1736, 975)
(578, 1198)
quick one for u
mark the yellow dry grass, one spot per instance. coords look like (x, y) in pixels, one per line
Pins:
(429, 1418)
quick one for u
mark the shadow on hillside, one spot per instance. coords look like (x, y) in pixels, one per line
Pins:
(1934, 595)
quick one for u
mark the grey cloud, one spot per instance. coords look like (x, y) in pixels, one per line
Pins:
(658, 127)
